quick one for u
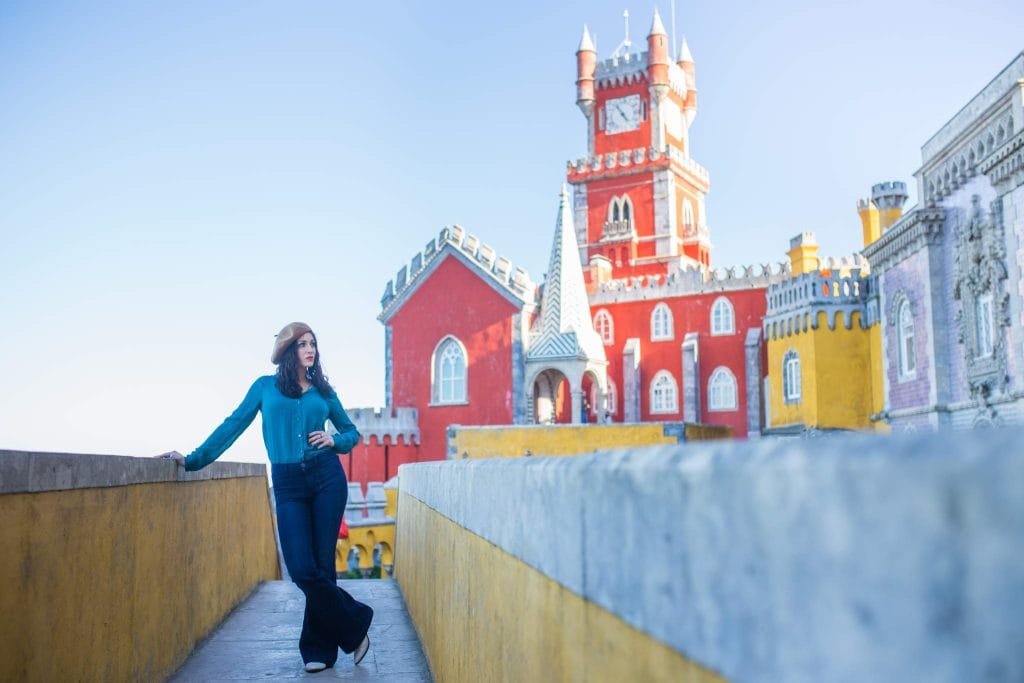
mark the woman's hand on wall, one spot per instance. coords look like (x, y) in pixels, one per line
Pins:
(172, 455)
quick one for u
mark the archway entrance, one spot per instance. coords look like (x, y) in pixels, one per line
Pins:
(552, 398)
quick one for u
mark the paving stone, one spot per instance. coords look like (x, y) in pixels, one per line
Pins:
(259, 640)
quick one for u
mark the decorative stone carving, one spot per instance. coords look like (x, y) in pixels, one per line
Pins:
(980, 270)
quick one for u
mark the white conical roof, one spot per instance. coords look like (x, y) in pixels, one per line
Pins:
(684, 52)
(566, 329)
(657, 28)
(586, 43)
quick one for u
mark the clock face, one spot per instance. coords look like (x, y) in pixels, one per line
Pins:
(622, 114)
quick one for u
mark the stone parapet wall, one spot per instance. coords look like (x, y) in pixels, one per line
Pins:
(507, 441)
(848, 558)
(114, 568)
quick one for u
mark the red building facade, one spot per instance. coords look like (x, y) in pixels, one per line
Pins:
(631, 325)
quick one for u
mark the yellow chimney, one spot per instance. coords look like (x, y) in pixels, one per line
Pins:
(803, 254)
(869, 220)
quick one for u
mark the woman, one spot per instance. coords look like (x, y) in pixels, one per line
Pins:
(310, 488)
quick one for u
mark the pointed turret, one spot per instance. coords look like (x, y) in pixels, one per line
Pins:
(565, 308)
(685, 63)
(586, 64)
(563, 339)
(657, 27)
(684, 54)
(586, 42)
(658, 59)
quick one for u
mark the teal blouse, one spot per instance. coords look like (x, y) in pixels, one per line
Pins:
(287, 423)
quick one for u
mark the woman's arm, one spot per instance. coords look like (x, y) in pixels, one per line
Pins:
(348, 436)
(229, 430)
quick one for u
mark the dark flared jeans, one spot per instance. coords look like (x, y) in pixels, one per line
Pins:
(310, 498)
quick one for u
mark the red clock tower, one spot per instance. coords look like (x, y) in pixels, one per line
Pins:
(638, 196)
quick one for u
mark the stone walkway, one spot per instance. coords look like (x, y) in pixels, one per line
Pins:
(259, 641)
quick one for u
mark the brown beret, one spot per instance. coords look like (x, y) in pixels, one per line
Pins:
(286, 336)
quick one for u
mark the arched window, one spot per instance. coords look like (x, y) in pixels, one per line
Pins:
(723, 320)
(689, 224)
(791, 377)
(722, 390)
(905, 333)
(449, 372)
(661, 323)
(611, 397)
(621, 209)
(664, 393)
(604, 327)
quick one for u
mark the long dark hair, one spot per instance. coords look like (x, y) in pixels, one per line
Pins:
(289, 370)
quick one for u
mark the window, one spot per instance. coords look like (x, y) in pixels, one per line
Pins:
(722, 390)
(449, 372)
(688, 220)
(723, 321)
(791, 377)
(664, 394)
(621, 209)
(983, 316)
(661, 323)
(605, 328)
(905, 330)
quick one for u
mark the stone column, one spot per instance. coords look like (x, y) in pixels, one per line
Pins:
(577, 405)
(691, 378)
(631, 380)
(752, 347)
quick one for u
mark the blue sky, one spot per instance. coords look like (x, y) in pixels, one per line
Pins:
(179, 180)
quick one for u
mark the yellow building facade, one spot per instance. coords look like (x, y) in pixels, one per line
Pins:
(823, 334)
(824, 344)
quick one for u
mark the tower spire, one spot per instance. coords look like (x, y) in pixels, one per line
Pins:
(586, 42)
(657, 27)
(684, 53)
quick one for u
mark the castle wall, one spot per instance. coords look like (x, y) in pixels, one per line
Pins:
(456, 301)
(842, 373)
(632, 319)
(599, 197)
(805, 411)
(909, 280)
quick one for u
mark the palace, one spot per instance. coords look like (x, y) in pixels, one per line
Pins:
(632, 324)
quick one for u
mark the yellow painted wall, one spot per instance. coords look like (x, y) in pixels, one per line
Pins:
(840, 373)
(806, 411)
(488, 616)
(366, 539)
(515, 441)
(121, 583)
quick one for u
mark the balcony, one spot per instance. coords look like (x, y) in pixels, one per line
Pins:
(618, 231)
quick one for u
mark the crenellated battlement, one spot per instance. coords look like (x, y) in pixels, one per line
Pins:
(631, 67)
(891, 194)
(514, 280)
(842, 285)
(396, 423)
(686, 280)
(636, 158)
